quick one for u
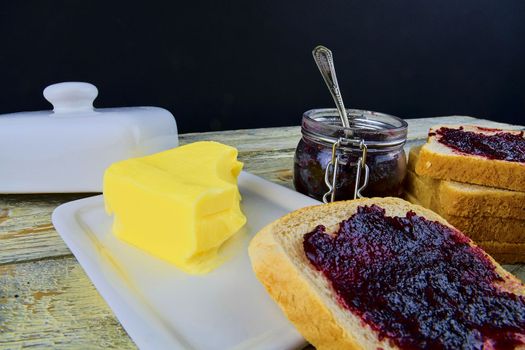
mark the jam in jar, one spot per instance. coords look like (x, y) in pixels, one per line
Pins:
(383, 137)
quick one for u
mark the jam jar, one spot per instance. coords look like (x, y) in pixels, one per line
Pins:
(369, 151)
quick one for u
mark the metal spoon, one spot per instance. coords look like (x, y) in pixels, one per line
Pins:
(325, 62)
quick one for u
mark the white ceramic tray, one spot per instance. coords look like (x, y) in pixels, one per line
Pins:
(163, 308)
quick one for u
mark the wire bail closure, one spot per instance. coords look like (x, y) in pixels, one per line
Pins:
(330, 174)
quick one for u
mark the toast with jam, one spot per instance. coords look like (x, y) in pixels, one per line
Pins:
(476, 155)
(382, 273)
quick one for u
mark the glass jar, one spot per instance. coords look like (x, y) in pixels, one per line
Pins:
(371, 149)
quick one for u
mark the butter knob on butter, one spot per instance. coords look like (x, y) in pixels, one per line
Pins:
(180, 205)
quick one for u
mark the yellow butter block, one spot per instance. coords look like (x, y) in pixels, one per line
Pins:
(180, 205)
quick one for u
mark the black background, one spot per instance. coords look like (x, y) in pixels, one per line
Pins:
(241, 64)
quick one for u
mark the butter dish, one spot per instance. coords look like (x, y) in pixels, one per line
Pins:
(161, 307)
(68, 149)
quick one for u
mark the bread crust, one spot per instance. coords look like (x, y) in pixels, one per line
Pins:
(441, 162)
(503, 252)
(290, 283)
(481, 228)
(462, 199)
(301, 305)
(478, 225)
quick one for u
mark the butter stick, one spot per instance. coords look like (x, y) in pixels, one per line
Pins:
(179, 205)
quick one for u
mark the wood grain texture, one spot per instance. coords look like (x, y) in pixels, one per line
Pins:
(26, 232)
(52, 304)
(47, 301)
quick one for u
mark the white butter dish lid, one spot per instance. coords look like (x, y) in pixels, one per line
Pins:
(69, 148)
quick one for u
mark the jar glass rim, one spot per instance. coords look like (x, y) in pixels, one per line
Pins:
(374, 127)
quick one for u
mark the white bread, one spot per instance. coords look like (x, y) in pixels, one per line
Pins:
(442, 162)
(462, 199)
(493, 218)
(504, 253)
(304, 294)
(489, 233)
(479, 226)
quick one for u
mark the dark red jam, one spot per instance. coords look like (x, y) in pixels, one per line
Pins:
(417, 283)
(501, 145)
(387, 170)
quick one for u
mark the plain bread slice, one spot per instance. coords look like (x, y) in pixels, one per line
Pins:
(463, 199)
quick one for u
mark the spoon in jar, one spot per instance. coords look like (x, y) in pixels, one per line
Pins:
(325, 62)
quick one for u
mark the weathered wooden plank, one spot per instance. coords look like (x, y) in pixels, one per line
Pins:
(52, 304)
(26, 232)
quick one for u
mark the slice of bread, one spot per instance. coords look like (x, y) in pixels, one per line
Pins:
(461, 199)
(425, 189)
(442, 162)
(489, 233)
(305, 295)
(479, 226)
(488, 228)
(505, 253)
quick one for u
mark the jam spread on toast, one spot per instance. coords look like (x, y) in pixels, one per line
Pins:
(500, 145)
(417, 283)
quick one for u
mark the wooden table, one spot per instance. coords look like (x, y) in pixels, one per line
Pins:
(46, 300)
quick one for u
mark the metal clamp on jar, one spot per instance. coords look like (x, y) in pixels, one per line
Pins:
(333, 166)
(366, 158)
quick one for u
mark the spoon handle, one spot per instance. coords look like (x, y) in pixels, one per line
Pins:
(325, 62)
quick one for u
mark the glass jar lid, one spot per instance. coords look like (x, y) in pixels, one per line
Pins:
(377, 130)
